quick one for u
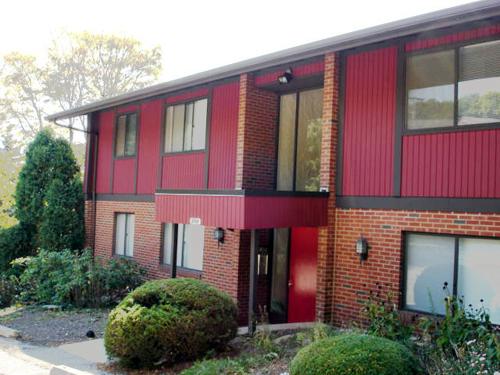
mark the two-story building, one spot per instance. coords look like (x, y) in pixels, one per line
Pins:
(267, 178)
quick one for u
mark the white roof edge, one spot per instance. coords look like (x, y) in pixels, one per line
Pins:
(425, 22)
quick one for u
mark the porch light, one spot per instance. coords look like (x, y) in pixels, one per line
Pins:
(285, 77)
(219, 235)
(362, 248)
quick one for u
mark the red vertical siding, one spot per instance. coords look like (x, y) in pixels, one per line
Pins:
(454, 165)
(124, 176)
(193, 94)
(105, 151)
(223, 134)
(149, 144)
(184, 171)
(369, 122)
(481, 32)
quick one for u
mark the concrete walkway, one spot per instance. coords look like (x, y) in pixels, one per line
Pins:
(79, 358)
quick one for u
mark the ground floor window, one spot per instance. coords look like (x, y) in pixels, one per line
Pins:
(188, 240)
(468, 267)
(124, 234)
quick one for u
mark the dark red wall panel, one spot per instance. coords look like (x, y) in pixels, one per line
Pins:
(149, 144)
(184, 171)
(308, 69)
(124, 176)
(187, 95)
(223, 136)
(105, 151)
(242, 212)
(369, 123)
(455, 165)
(477, 33)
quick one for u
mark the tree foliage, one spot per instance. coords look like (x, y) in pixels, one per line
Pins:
(63, 200)
(47, 159)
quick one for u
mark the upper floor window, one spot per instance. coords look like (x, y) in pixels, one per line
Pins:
(124, 234)
(185, 126)
(466, 266)
(126, 135)
(453, 87)
(190, 242)
(299, 143)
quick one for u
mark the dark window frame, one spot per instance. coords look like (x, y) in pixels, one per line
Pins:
(296, 92)
(115, 221)
(454, 287)
(184, 103)
(455, 127)
(127, 123)
(175, 241)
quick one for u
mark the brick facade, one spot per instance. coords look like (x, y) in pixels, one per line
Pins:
(384, 231)
(326, 235)
(257, 136)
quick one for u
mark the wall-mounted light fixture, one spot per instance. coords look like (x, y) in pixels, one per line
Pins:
(219, 235)
(286, 77)
(362, 248)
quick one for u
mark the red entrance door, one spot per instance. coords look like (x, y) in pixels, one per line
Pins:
(302, 276)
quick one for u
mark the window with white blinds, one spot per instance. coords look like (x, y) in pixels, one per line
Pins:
(124, 234)
(453, 87)
(190, 243)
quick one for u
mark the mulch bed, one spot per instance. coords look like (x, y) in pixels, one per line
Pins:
(52, 328)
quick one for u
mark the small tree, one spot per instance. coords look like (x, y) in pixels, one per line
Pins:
(47, 159)
(62, 220)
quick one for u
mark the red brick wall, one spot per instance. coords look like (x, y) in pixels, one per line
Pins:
(384, 231)
(326, 235)
(256, 145)
(225, 265)
(89, 223)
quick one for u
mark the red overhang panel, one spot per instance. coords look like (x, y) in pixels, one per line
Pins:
(242, 211)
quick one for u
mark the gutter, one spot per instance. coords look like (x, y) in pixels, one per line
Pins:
(443, 18)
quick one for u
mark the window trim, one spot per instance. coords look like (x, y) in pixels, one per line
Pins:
(296, 92)
(455, 46)
(115, 221)
(180, 256)
(404, 264)
(115, 134)
(164, 125)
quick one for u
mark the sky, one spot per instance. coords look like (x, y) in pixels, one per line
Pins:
(199, 35)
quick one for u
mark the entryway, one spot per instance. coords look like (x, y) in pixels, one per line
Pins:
(293, 275)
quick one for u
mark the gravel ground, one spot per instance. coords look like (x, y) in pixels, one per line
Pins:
(51, 328)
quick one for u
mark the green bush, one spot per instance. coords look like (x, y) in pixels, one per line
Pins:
(464, 341)
(355, 354)
(9, 290)
(63, 200)
(15, 242)
(168, 321)
(72, 278)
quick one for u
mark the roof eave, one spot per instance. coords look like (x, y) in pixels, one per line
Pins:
(435, 20)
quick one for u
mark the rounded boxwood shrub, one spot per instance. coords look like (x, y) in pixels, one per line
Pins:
(168, 321)
(354, 354)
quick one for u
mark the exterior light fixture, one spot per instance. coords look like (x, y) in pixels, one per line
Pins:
(362, 248)
(285, 77)
(219, 235)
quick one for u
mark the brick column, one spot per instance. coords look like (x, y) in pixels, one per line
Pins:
(326, 236)
(89, 223)
(256, 152)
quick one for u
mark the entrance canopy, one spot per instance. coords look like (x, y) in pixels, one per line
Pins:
(242, 209)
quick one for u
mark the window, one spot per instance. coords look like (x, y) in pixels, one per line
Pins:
(124, 234)
(469, 266)
(190, 241)
(185, 126)
(126, 135)
(454, 87)
(299, 143)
